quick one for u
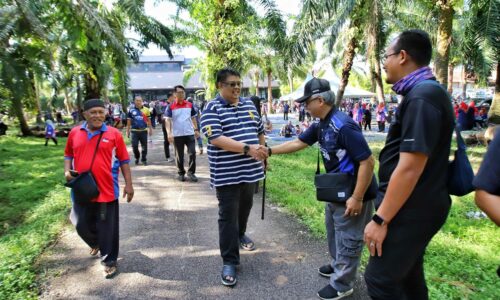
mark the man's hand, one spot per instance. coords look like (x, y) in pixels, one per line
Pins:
(258, 152)
(170, 139)
(150, 131)
(67, 175)
(128, 191)
(374, 237)
(128, 133)
(196, 134)
(353, 207)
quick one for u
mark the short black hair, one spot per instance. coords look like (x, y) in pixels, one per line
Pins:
(223, 74)
(180, 86)
(417, 44)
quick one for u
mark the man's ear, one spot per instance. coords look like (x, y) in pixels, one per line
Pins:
(404, 57)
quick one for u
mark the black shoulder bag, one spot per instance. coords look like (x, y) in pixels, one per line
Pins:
(338, 187)
(460, 174)
(84, 186)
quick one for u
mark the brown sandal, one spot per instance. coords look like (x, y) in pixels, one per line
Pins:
(110, 271)
(94, 251)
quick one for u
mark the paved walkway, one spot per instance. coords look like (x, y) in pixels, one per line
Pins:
(169, 247)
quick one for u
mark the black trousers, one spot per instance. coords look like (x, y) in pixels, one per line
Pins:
(285, 116)
(97, 225)
(179, 143)
(142, 137)
(166, 144)
(235, 203)
(381, 126)
(399, 272)
(368, 123)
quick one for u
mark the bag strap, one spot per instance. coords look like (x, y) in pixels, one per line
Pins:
(319, 147)
(95, 151)
(460, 141)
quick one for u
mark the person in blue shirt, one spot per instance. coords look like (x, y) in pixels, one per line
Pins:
(139, 123)
(344, 150)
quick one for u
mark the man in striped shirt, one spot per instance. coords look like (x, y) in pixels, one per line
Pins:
(235, 150)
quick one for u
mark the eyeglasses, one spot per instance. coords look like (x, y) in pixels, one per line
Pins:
(233, 84)
(310, 100)
(180, 92)
(384, 58)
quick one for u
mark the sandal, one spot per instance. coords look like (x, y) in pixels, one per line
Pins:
(228, 275)
(246, 243)
(94, 251)
(110, 271)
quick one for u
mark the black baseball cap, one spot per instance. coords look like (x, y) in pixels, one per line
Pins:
(313, 87)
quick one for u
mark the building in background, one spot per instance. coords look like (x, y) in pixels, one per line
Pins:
(154, 77)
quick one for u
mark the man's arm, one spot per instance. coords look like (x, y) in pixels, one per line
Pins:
(403, 181)
(354, 204)
(256, 151)
(195, 127)
(127, 175)
(67, 166)
(490, 204)
(129, 123)
(289, 147)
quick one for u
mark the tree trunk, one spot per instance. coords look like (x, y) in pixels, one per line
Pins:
(349, 54)
(36, 92)
(464, 85)
(444, 34)
(17, 107)
(290, 79)
(494, 113)
(374, 31)
(67, 102)
(451, 68)
(257, 84)
(269, 90)
(92, 90)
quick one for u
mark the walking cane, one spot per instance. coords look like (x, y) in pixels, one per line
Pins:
(264, 190)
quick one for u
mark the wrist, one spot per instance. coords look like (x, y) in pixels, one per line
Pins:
(246, 149)
(359, 199)
(379, 220)
(269, 151)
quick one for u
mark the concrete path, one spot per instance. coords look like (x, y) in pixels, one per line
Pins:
(169, 247)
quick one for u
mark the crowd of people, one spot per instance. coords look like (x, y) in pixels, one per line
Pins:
(396, 222)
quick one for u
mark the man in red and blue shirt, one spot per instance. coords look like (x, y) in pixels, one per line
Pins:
(182, 130)
(138, 121)
(97, 222)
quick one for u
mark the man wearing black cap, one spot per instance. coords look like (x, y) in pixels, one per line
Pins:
(97, 222)
(344, 150)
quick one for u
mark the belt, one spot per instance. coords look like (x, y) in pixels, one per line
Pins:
(141, 129)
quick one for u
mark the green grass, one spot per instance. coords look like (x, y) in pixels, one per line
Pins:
(462, 258)
(34, 208)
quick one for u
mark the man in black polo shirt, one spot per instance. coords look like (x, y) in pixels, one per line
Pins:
(413, 200)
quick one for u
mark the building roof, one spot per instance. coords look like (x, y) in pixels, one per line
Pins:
(161, 58)
(167, 80)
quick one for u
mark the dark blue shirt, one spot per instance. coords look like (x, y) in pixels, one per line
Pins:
(488, 176)
(341, 141)
(138, 119)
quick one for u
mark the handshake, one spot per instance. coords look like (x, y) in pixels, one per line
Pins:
(258, 152)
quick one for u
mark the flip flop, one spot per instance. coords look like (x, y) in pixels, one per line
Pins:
(246, 243)
(110, 271)
(228, 271)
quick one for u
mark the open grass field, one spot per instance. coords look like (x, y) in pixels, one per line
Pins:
(462, 258)
(34, 207)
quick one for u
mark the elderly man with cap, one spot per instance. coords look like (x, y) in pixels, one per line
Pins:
(344, 150)
(97, 222)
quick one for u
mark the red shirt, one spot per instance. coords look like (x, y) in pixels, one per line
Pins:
(112, 153)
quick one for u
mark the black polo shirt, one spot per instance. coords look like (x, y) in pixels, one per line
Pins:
(424, 123)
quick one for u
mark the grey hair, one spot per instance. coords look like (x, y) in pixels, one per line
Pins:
(328, 97)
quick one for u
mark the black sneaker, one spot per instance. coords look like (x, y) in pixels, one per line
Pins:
(181, 178)
(136, 162)
(329, 293)
(325, 271)
(145, 163)
(192, 177)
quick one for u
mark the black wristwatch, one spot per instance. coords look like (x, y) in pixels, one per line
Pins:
(377, 219)
(246, 149)
(269, 151)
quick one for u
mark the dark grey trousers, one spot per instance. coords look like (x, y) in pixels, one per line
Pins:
(345, 242)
